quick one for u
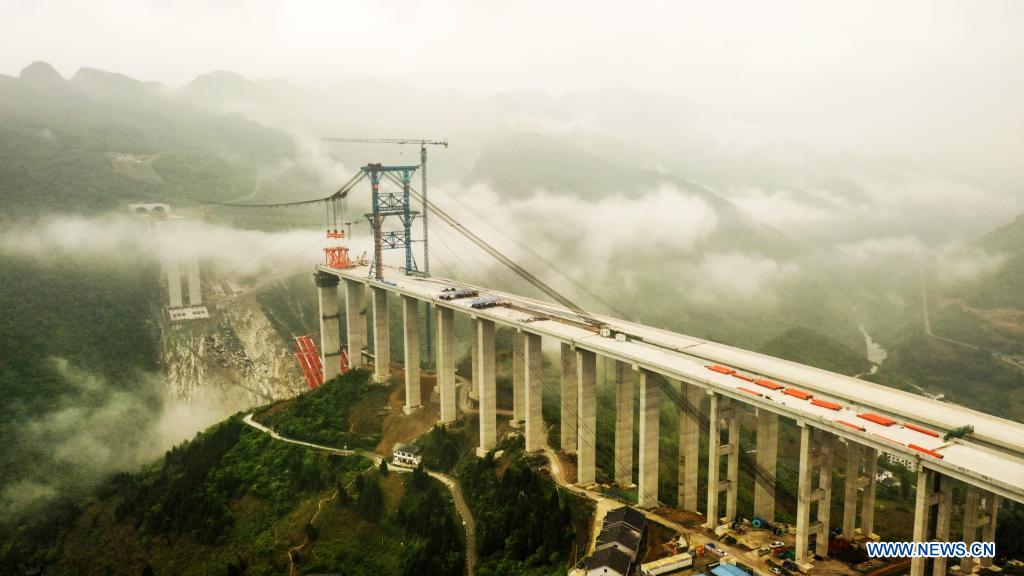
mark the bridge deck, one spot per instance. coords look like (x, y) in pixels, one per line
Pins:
(997, 464)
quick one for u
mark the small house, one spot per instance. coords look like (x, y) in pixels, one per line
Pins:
(409, 455)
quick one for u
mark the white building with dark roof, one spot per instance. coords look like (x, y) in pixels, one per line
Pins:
(409, 455)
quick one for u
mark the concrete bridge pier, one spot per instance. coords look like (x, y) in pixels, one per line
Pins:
(446, 363)
(723, 416)
(381, 336)
(474, 354)
(355, 321)
(867, 505)
(586, 414)
(330, 325)
(534, 373)
(411, 332)
(689, 446)
(623, 424)
(568, 400)
(650, 412)
(980, 507)
(858, 456)
(518, 378)
(767, 460)
(484, 373)
(815, 487)
(933, 489)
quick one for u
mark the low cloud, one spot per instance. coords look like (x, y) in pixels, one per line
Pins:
(126, 237)
(740, 278)
(95, 429)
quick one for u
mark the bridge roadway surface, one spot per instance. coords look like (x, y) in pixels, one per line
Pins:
(991, 458)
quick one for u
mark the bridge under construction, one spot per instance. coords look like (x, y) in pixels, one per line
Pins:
(827, 407)
(834, 413)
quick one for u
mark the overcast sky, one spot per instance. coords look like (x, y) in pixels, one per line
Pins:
(916, 75)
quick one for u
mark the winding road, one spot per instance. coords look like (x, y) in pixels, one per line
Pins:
(451, 483)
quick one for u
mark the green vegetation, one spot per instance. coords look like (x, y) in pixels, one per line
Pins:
(442, 448)
(971, 377)
(810, 347)
(341, 413)
(524, 523)
(1002, 289)
(191, 492)
(233, 500)
(435, 537)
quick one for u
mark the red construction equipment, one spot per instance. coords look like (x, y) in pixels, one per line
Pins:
(857, 427)
(917, 428)
(768, 384)
(798, 393)
(308, 356)
(877, 418)
(337, 257)
(309, 360)
(931, 453)
(826, 404)
(720, 369)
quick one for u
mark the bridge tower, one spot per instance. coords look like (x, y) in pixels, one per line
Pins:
(391, 204)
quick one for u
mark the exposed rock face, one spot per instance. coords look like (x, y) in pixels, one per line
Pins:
(235, 358)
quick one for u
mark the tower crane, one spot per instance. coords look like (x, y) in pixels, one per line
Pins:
(423, 174)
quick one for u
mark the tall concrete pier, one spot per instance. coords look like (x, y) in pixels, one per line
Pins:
(411, 347)
(586, 425)
(330, 325)
(623, 424)
(381, 336)
(568, 400)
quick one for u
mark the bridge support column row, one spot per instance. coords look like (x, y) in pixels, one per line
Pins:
(623, 424)
(767, 461)
(484, 374)
(411, 333)
(856, 457)
(355, 316)
(518, 378)
(980, 507)
(381, 336)
(723, 415)
(446, 363)
(567, 400)
(933, 489)
(650, 410)
(689, 445)
(534, 374)
(815, 460)
(330, 325)
(586, 414)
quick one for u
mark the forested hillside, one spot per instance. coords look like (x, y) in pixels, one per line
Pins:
(808, 346)
(234, 501)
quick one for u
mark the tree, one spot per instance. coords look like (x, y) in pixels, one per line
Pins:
(371, 500)
(383, 467)
(360, 483)
(343, 497)
(312, 532)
